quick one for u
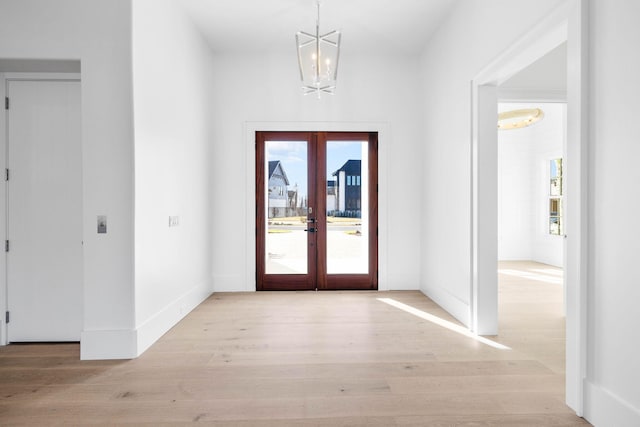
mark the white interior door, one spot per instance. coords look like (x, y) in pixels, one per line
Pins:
(44, 261)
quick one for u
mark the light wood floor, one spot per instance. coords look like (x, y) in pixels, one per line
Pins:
(312, 359)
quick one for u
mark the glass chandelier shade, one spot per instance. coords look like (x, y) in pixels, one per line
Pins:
(318, 56)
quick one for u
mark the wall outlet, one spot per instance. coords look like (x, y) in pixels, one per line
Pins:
(174, 221)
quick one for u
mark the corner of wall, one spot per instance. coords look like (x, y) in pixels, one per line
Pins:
(454, 306)
(108, 344)
(131, 343)
(152, 329)
(233, 283)
(603, 408)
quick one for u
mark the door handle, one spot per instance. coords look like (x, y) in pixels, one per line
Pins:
(311, 230)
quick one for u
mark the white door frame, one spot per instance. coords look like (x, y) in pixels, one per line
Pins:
(569, 22)
(4, 78)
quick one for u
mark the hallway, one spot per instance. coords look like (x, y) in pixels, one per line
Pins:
(314, 358)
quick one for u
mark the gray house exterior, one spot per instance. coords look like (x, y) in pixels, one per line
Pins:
(278, 194)
(348, 190)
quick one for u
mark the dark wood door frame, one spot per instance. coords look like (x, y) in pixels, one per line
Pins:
(280, 281)
(317, 277)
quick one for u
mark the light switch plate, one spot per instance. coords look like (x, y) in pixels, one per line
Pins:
(174, 221)
(102, 224)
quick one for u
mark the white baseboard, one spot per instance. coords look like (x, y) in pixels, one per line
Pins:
(602, 408)
(232, 283)
(108, 344)
(156, 326)
(130, 343)
(453, 305)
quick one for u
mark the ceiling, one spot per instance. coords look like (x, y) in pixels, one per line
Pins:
(547, 73)
(401, 26)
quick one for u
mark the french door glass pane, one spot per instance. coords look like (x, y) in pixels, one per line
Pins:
(347, 207)
(286, 207)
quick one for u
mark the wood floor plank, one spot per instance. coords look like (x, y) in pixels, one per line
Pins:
(313, 359)
(520, 420)
(551, 384)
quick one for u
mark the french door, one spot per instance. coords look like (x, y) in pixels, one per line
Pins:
(316, 210)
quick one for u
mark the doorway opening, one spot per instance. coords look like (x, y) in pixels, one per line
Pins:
(568, 23)
(316, 211)
(531, 192)
(531, 310)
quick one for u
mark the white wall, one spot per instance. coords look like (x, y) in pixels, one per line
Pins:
(98, 33)
(256, 87)
(523, 186)
(474, 34)
(172, 265)
(172, 74)
(551, 138)
(613, 372)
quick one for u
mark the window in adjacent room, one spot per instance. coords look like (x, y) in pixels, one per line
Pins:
(555, 197)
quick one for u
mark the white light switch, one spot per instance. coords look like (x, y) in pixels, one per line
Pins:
(174, 221)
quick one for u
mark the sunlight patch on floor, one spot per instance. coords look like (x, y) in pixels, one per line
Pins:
(443, 323)
(550, 271)
(533, 276)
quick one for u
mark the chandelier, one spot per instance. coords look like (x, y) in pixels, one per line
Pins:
(318, 59)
